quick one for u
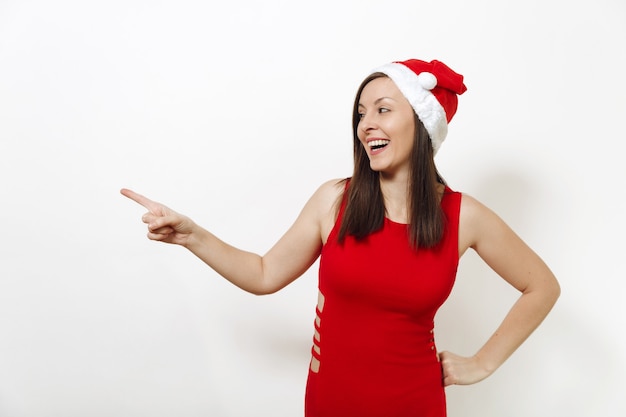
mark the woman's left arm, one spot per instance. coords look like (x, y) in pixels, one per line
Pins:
(482, 230)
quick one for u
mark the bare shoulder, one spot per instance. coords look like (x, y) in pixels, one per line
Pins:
(335, 186)
(328, 193)
(472, 209)
(324, 204)
(475, 222)
(501, 248)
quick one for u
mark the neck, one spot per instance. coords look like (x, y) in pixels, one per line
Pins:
(395, 191)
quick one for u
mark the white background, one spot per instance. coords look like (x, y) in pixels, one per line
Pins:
(233, 113)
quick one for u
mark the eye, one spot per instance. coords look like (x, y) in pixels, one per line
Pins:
(383, 110)
(361, 115)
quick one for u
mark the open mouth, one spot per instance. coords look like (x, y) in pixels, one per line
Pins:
(378, 144)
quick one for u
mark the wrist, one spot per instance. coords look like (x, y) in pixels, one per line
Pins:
(194, 236)
(484, 364)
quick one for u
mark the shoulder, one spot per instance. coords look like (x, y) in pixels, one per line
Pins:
(324, 204)
(334, 186)
(325, 197)
(471, 207)
(476, 222)
(330, 191)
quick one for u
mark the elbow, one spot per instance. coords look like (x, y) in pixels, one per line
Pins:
(547, 291)
(552, 290)
(268, 281)
(257, 289)
(263, 288)
(262, 291)
(556, 290)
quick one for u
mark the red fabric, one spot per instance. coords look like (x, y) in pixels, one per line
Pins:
(377, 352)
(449, 83)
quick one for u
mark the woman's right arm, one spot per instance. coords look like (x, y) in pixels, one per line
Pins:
(289, 258)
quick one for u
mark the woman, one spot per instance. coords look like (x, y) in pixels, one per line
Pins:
(389, 238)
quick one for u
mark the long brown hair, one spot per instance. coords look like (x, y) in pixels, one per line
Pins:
(365, 208)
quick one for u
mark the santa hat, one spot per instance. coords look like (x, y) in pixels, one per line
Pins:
(432, 89)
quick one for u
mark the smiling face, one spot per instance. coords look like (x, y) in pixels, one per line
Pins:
(386, 126)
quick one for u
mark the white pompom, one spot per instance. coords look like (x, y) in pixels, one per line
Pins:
(427, 80)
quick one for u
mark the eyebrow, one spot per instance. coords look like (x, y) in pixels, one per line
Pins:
(378, 100)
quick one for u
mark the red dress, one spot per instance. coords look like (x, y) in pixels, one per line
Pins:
(377, 355)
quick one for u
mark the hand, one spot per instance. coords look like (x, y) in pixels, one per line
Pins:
(460, 370)
(164, 224)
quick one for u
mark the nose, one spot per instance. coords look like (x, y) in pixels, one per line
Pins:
(367, 123)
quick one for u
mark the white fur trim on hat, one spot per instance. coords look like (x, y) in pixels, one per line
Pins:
(416, 89)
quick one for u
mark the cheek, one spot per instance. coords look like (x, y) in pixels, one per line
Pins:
(409, 133)
(360, 136)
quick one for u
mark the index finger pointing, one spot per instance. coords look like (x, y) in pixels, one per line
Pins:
(140, 199)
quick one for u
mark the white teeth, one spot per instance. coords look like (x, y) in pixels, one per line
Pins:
(379, 142)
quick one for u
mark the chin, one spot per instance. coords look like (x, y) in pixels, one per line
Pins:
(377, 168)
